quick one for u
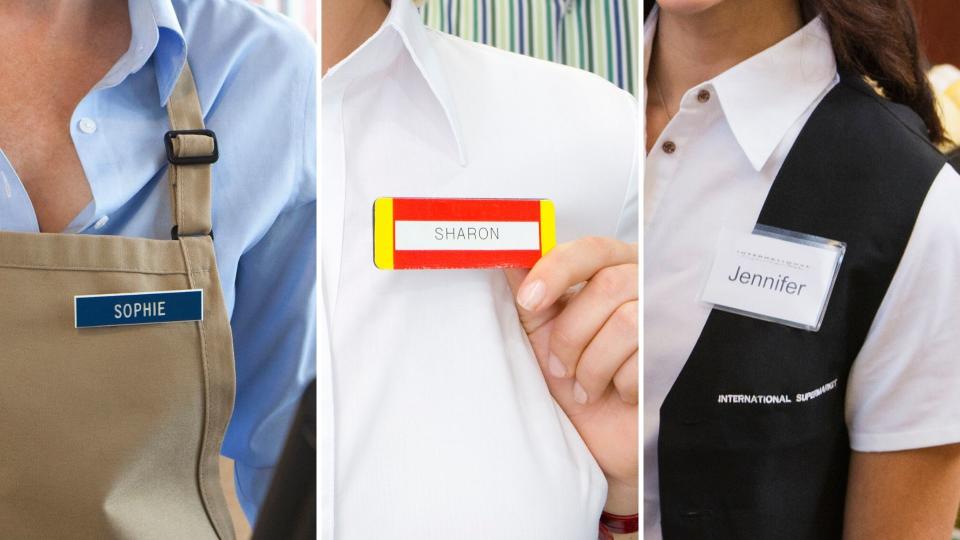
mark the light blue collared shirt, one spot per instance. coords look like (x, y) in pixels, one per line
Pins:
(255, 73)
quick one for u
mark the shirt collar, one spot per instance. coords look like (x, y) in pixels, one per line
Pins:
(404, 20)
(170, 51)
(155, 32)
(763, 96)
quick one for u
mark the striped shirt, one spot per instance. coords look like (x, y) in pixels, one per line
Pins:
(595, 35)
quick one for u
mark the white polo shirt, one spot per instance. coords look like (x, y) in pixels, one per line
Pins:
(443, 426)
(730, 138)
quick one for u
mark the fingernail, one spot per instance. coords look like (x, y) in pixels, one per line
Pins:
(557, 369)
(579, 394)
(531, 294)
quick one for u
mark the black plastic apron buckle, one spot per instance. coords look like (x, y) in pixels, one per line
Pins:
(191, 160)
(175, 233)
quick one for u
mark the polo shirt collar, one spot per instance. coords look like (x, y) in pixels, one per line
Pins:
(763, 96)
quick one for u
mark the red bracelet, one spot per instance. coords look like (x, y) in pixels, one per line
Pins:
(613, 523)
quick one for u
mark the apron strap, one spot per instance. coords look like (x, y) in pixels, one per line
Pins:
(191, 151)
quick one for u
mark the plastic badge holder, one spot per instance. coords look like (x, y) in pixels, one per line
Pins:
(836, 248)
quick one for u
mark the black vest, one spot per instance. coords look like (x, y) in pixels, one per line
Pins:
(858, 173)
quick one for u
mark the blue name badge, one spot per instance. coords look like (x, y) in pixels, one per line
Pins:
(96, 310)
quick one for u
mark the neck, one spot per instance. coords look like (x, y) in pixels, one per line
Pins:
(692, 48)
(347, 24)
(61, 20)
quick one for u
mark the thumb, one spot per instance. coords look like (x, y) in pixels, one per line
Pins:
(531, 320)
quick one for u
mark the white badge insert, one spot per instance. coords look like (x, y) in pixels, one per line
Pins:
(775, 275)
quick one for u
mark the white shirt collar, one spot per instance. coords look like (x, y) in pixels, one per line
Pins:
(404, 22)
(763, 96)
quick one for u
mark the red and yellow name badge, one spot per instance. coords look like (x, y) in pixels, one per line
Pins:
(461, 233)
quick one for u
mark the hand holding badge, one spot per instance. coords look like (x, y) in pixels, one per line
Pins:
(586, 343)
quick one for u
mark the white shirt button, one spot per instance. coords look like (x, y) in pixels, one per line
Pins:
(87, 125)
(101, 222)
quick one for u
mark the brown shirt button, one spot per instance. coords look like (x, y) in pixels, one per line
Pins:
(703, 96)
(669, 147)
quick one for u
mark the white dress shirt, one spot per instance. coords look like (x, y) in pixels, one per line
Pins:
(728, 149)
(442, 424)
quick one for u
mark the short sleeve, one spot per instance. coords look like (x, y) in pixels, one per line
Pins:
(904, 389)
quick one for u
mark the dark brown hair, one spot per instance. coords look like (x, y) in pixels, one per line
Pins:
(878, 39)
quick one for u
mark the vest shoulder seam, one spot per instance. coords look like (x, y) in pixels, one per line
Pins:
(885, 105)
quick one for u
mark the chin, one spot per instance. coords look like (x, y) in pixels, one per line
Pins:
(687, 7)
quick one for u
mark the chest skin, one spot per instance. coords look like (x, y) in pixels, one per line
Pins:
(50, 58)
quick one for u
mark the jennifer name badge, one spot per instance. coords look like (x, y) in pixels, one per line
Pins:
(775, 275)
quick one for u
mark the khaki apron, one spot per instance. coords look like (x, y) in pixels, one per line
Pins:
(115, 432)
